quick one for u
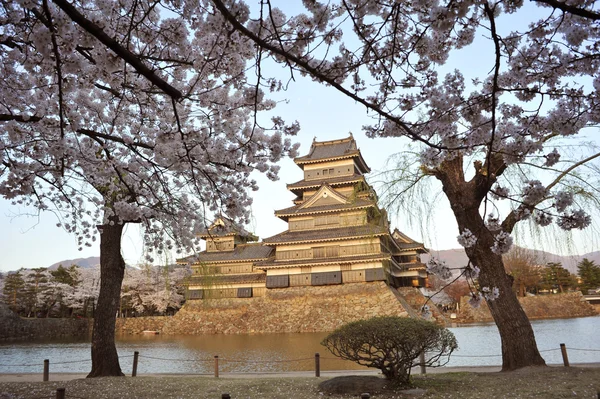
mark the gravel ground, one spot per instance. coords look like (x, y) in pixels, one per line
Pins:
(547, 383)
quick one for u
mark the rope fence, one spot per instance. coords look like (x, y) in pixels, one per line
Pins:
(217, 361)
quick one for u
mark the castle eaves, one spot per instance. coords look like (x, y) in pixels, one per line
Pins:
(328, 234)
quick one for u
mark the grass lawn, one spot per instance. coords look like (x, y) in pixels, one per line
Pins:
(547, 383)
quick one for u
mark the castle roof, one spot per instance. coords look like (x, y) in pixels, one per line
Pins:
(241, 253)
(405, 243)
(325, 151)
(335, 181)
(299, 210)
(327, 234)
(223, 227)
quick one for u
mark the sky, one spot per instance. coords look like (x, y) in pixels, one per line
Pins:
(28, 239)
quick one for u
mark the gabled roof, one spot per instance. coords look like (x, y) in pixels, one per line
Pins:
(405, 243)
(325, 194)
(298, 210)
(328, 234)
(223, 226)
(324, 151)
(241, 253)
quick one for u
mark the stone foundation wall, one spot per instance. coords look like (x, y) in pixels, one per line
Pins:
(566, 305)
(15, 327)
(294, 309)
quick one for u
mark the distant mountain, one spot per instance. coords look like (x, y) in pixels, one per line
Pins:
(458, 258)
(453, 257)
(81, 262)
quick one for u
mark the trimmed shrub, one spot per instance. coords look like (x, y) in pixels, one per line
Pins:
(392, 345)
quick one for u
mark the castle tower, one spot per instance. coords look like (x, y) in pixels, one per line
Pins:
(336, 232)
(226, 268)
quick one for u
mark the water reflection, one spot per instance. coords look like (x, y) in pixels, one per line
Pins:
(478, 345)
(237, 353)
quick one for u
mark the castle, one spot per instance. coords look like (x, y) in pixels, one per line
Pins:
(336, 235)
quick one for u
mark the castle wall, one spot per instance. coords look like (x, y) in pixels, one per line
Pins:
(294, 309)
(565, 305)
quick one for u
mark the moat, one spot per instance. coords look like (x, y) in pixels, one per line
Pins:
(478, 345)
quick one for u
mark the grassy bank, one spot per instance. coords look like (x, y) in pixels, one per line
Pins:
(547, 383)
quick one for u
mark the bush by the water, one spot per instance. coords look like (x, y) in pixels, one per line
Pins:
(392, 344)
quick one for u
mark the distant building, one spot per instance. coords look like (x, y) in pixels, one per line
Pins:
(336, 234)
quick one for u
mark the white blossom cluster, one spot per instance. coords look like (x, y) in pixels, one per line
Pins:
(502, 243)
(542, 218)
(94, 137)
(577, 219)
(471, 272)
(533, 192)
(466, 238)
(562, 200)
(439, 268)
(499, 192)
(493, 223)
(486, 293)
(552, 158)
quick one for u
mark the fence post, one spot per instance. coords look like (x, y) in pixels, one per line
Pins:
(317, 365)
(60, 393)
(216, 366)
(46, 370)
(136, 355)
(563, 350)
(422, 362)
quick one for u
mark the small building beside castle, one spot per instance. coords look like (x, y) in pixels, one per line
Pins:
(336, 235)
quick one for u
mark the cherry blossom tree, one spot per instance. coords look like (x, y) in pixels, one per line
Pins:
(130, 112)
(153, 290)
(503, 139)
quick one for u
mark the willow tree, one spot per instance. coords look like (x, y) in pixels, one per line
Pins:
(129, 112)
(494, 136)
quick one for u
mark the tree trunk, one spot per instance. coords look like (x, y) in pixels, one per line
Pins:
(105, 360)
(519, 348)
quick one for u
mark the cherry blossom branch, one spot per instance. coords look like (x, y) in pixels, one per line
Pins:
(121, 51)
(571, 9)
(59, 78)
(93, 134)
(511, 219)
(319, 75)
(19, 118)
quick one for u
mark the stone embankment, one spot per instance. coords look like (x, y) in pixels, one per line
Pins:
(557, 306)
(294, 309)
(15, 327)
